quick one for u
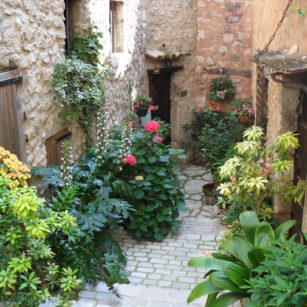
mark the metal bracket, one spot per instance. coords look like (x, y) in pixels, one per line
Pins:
(11, 81)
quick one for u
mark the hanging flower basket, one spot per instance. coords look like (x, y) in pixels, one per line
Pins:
(142, 112)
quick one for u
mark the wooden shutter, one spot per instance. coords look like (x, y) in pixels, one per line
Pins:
(9, 127)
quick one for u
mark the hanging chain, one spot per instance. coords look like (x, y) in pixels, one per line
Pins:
(261, 52)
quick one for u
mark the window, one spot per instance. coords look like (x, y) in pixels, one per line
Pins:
(117, 25)
(68, 25)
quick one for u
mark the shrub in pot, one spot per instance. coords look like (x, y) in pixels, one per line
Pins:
(258, 172)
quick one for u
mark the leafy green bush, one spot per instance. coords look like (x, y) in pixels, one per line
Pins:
(157, 198)
(150, 186)
(281, 278)
(29, 273)
(217, 132)
(258, 172)
(230, 269)
(92, 250)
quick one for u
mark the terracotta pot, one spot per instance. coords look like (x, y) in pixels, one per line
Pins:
(142, 112)
(245, 120)
(216, 183)
(208, 189)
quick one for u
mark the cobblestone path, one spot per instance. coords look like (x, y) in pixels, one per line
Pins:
(158, 271)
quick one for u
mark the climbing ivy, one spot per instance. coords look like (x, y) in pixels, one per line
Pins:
(78, 81)
(300, 11)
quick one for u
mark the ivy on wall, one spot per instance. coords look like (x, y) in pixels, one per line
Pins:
(78, 81)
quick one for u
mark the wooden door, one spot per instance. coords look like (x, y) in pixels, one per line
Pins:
(301, 162)
(9, 128)
(159, 91)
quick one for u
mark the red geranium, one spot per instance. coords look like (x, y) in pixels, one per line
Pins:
(158, 139)
(130, 159)
(152, 126)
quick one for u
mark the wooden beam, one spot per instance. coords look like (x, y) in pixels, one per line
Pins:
(9, 77)
(164, 70)
(228, 71)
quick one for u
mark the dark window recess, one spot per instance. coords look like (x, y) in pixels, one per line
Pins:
(262, 100)
(54, 146)
(68, 19)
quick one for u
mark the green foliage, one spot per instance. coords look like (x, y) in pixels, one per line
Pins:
(221, 88)
(259, 172)
(156, 198)
(92, 250)
(87, 46)
(281, 278)
(300, 11)
(78, 81)
(217, 132)
(232, 267)
(165, 128)
(28, 272)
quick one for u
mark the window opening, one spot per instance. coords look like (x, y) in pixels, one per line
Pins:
(68, 25)
(117, 25)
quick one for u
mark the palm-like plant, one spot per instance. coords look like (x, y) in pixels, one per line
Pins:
(230, 269)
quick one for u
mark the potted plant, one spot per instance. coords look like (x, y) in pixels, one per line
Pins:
(142, 104)
(246, 110)
(221, 88)
(258, 172)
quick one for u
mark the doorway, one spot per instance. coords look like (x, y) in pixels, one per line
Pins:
(159, 91)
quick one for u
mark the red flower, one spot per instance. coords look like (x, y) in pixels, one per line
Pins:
(35, 214)
(130, 159)
(151, 108)
(158, 139)
(152, 126)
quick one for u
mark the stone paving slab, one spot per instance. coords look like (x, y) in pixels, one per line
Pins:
(159, 274)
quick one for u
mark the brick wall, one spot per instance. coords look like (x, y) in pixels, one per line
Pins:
(224, 40)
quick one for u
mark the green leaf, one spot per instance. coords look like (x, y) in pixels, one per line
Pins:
(203, 288)
(139, 194)
(220, 280)
(283, 228)
(152, 159)
(236, 273)
(257, 255)
(263, 235)
(210, 299)
(239, 248)
(226, 299)
(249, 222)
(207, 263)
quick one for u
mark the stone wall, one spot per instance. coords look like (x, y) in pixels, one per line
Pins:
(126, 69)
(173, 27)
(283, 102)
(224, 40)
(32, 37)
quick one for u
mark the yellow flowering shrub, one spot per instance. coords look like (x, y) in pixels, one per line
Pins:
(12, 168)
